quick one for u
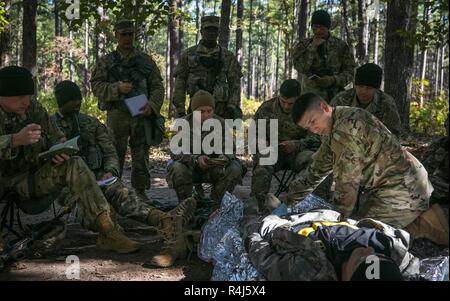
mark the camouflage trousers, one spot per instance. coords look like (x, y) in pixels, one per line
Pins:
(73, 174)
(184, 177)
(124, 202)
(262, 174)
(125, 127)
(395, 206)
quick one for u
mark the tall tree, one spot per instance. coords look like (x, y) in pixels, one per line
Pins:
(302, 18)
(250, 46)
(29, 50)
(224, 34)
(175, 43)
(5, 36)
(239, 26)
(362, 31)
(399, 54)
(423, 57)
(197, 21)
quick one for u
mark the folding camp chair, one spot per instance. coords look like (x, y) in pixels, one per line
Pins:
(283, 183)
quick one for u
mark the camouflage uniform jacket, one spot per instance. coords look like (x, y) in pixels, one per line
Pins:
(138, 68)
(363, 156)
(97, 148)
(333, 57)
(382, 106)
(287, 129)
(190, 159)
(14, 161)
(221, 79)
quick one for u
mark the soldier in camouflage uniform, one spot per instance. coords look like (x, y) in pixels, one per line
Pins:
(97, 150)
(436, 162)
(295, 144)
(209, 67)
(124, 73)
(375, 176)
(367, 95)
(324, 63)
(25, 131)
(189, 169)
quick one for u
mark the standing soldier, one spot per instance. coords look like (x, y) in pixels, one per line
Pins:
(26, 131)
(124, 73)
(325, 64)
(367, 95)
(208, 66)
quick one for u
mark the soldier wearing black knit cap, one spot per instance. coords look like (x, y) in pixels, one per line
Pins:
(367, 95)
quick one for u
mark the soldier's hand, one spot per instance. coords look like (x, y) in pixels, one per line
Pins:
(203, 162)
(107, 175)
(60, 159)
(325, 81)
(125, 88)
(28, 135)
(317, 41)
(288, 147)
(146, 110)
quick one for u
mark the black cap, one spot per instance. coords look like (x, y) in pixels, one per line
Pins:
(321, 17)
(16, 81)
(66, 91)
(369, 75)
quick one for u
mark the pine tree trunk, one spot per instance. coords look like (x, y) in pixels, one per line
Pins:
(197, 21)
(239, 27)
(175, 46)
(29, 44)
(347, 33)
(277, 67)
(376, 35)
(249, 60)
(302, 19)
(86, 58)
(362, 31)
(266, 46)
(224, 33)
(5, 37)
(399, 55)
(423, 62)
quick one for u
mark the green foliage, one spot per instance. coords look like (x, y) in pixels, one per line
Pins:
(249, 107)
(88, 106)
(432, 28)
(3, 21)
(430, 118)
(151, 12)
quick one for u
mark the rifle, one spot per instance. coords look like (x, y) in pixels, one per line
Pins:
(18, 250)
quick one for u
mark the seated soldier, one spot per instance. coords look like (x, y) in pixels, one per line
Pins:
(375, 176)
(97, 150)
(436, 162)
(25, 131)
(190, 168)
(322, 245)
(367, 95)
(296, 146)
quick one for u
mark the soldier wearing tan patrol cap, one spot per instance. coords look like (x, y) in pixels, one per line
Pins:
(121, 74)
(207, 66)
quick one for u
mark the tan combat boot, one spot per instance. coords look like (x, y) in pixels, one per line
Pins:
(110, 238)
(432, 224)
(186, 209)
(174, 245)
